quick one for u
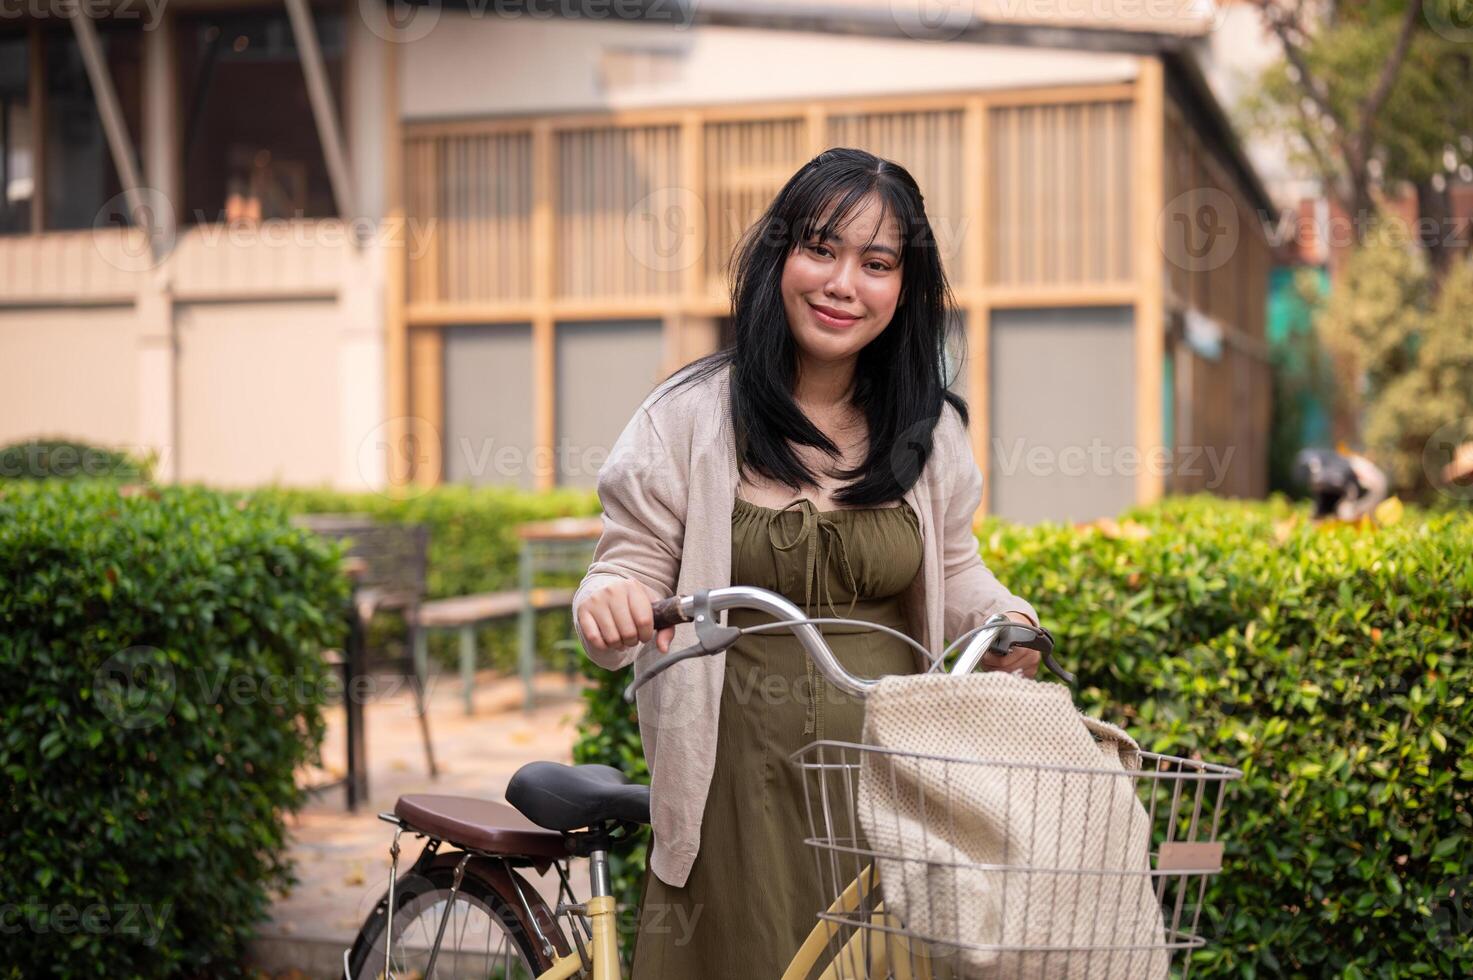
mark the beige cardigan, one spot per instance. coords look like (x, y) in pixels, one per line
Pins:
(667, 491)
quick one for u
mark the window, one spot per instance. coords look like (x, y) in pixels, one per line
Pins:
(488, 437)
(605, 368)
(251, 149)
(63, 167)
(81, 183)
(17, 155)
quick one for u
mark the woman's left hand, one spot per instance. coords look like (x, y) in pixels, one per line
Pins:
(1018, 660)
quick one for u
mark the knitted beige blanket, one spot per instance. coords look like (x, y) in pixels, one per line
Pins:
(1010, 854)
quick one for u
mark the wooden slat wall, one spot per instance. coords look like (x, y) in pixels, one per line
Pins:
(747, 163)
(301, 257)
(1215, 287)
(612, 241)
(1057, 175)
(1180, 172)
(1149, 154)
(1230, 398)
(929, 145)
(214, 262)
(1061, 191)
(470, 200)
(82, 267)
(422, 215)
(424, 449)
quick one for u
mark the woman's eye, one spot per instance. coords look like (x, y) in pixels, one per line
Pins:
(818, 248)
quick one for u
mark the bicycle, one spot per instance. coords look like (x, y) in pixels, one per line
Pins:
(469, 911)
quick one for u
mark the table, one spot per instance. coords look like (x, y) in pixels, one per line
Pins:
(561, 545)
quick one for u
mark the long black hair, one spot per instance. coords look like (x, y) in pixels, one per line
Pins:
(900, 378)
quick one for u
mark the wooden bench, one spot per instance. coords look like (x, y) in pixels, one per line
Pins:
(466, 613)
(562, 546)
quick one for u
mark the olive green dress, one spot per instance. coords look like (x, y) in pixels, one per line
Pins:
(754, 892)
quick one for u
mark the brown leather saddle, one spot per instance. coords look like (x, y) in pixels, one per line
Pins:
(547, 800)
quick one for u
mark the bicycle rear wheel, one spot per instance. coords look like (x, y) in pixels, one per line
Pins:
(484, 936)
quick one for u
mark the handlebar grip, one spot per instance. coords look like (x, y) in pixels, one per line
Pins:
(667, 612)
(1019, 635)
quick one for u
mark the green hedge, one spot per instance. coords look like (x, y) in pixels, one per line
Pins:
(44, 459)
(473, 548)
(1331, 665)
(162, 655)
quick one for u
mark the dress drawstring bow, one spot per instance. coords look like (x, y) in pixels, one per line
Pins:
(823, 540)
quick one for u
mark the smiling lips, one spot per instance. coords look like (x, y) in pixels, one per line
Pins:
(832, 317)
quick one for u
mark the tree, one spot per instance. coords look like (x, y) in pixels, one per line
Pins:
(1413, 346)
(1373, 93)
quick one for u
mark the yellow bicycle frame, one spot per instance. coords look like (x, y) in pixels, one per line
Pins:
(850, 961)
(603, 947)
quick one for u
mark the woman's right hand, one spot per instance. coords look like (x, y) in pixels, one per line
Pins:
(619, 616)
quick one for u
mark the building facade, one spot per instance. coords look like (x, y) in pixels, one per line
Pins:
(456, 246)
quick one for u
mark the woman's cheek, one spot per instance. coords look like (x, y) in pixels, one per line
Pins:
(884, 310)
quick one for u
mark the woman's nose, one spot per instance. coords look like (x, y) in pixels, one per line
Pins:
(841, 282)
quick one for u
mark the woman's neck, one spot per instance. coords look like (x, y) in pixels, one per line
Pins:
(823, 387)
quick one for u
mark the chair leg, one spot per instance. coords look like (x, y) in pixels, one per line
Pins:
(350, 761)
(353, 696)
(527, 653)
(420, 644)
(573, 649)
(416, 678)
(468, 667)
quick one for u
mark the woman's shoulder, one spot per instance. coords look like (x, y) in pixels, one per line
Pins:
(660, 438)
(687, 397)
(951, 421)
(678, 414)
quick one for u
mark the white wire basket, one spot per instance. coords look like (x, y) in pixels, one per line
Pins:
(991, 876)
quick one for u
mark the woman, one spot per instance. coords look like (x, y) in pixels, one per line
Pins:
(820, 456)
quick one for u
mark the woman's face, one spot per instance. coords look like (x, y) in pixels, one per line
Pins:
(840, 293)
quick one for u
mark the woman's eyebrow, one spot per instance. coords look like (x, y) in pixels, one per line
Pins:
(872, 247)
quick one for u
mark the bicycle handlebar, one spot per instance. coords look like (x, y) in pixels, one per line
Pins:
(998, 633)
(667, 612)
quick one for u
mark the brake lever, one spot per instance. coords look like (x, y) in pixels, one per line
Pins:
(1030, 637)
(711, 637)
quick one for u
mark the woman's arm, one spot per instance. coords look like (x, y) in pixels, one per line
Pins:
(643, 528)
(972, 592)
